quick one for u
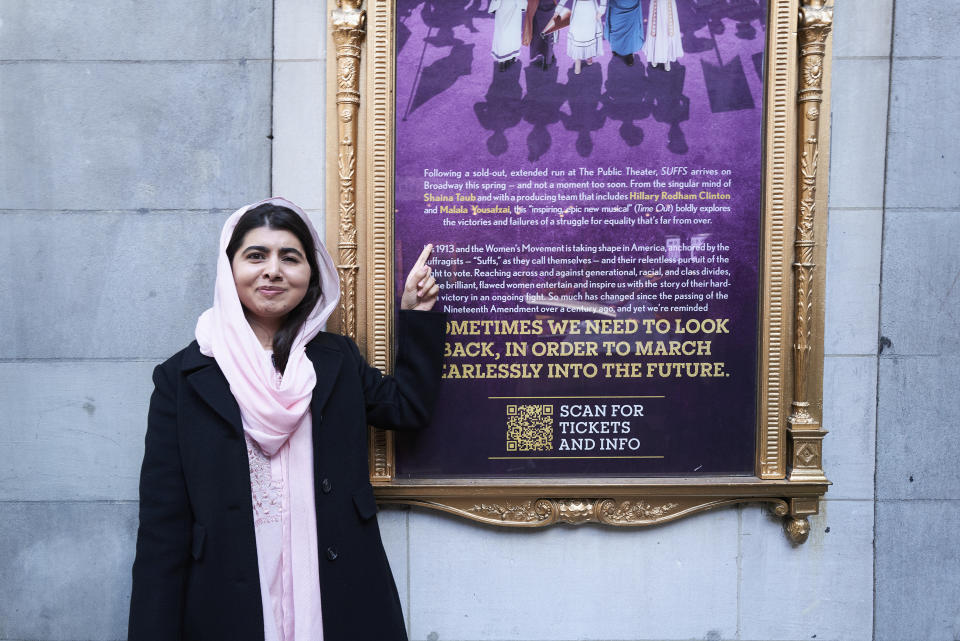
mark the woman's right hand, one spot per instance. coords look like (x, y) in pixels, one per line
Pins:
(420, 291)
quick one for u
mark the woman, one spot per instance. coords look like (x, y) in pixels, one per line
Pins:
(257, 520)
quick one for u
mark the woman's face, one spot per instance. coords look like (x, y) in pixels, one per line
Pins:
(271, 273)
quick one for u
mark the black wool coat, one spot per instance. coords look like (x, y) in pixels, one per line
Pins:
(195, 574)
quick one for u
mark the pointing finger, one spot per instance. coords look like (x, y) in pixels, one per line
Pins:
(424, 255)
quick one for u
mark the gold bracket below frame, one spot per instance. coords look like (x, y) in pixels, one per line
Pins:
(620, 512)
(634, 505)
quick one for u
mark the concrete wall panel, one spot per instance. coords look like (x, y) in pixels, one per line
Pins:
(396, 542)
(858, 134)
(79, 434)
(299, 132)
(853, 281)
(849, 414)
(820, 590)
(113, 284)
(66, 570)
(926, 28)
(920, 312)
(862, 28)
(923, 169)
(918, 571)
(300, 30)
(133, 30)
(916, 578)
(588, 583)
(917, 418)
(130, 136)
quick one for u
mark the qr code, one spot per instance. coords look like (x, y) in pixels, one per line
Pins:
(529, 428)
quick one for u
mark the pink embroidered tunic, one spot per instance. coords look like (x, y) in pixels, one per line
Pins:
(269, 488)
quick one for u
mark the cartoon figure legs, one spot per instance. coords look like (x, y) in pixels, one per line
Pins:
(507, 26)
(585, 36)
(539, 13)
(623, 28)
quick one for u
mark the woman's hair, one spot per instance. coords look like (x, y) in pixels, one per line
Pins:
(276, 217)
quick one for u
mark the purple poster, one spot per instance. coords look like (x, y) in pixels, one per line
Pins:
(590, 173)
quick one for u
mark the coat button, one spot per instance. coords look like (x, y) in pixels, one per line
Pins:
(326, 486)
(332, 553)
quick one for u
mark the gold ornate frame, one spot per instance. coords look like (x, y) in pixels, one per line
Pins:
(789, 472)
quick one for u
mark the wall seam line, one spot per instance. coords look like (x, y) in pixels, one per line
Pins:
(81, 359)
(273, 87)
(70, 501)
(409, 592)
(740, 509)
(883, 232)
(134, 61)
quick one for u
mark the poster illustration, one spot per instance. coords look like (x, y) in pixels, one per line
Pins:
(590, 174)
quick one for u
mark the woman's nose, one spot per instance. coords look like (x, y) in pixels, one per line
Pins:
(271, 267)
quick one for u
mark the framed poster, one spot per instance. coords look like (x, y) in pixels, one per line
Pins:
(622, 198)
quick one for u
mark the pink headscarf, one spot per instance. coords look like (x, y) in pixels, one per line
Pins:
(271, 407)
(275, 412)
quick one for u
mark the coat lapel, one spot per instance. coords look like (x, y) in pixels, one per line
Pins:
(212, 386)
(326, 361)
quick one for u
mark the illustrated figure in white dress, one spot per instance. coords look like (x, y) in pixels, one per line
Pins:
(663, 45)
(585, 36)
(507, 31)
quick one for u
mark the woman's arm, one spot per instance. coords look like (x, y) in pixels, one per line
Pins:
(163, 539)
(406, 399)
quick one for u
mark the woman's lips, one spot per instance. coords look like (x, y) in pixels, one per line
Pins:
(270, 291)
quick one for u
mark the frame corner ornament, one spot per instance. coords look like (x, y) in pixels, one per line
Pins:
(797, 529)
(796, 525)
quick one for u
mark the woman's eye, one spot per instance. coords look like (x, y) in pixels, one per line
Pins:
(255, 256)
(291, 259)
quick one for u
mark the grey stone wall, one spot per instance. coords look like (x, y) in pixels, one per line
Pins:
(918, 478)
(128, 131)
